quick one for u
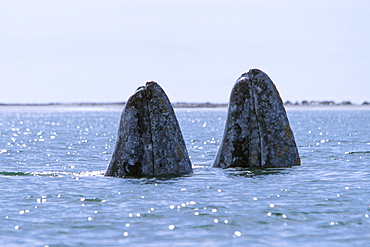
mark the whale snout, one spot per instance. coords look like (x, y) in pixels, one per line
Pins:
(256, 113)
(149, 142)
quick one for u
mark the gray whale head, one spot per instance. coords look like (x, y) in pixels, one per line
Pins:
(149, 141)
(257, 131)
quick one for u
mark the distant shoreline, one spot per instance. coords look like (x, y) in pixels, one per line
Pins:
(288, 104)
(117, 104)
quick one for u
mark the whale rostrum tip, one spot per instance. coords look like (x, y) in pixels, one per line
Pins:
(257, 131)
(149, 141)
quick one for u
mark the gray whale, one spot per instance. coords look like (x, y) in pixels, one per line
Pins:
(149, 141)
(257, 131)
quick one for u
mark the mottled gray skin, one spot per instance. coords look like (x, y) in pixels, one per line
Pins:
(257, 132)
(149, 142)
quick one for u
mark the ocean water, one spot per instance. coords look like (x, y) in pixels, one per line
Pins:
(53, 192)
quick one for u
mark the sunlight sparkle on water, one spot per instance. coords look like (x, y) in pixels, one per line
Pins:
(171, 227)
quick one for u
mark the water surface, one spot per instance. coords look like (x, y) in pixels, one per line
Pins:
(53, 191)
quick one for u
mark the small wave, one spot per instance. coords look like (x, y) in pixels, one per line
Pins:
(54, 174)
(251, 172)
(358, 152)
(16, 173)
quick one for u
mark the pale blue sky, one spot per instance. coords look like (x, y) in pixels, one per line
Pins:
(101, 51)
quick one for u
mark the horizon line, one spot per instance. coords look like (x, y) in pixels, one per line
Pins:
(182, 103)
